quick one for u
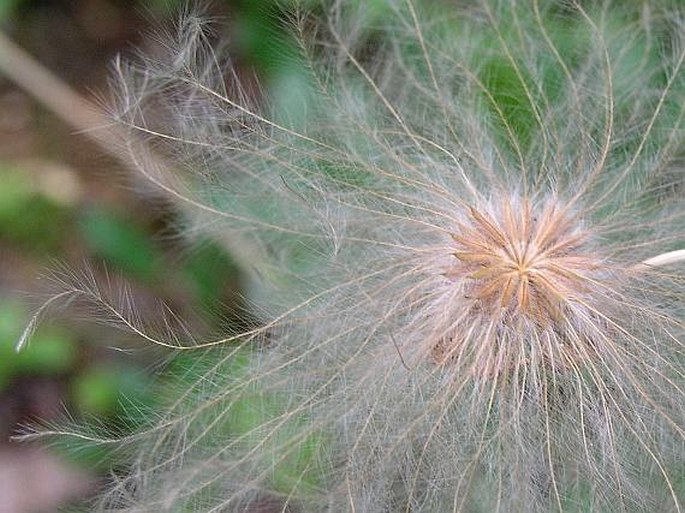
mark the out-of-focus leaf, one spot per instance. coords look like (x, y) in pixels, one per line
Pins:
(121, 243)
(27, 217)
(106, 390)
(11, 318)
(209, 269)
(7, 7)
(51, 352)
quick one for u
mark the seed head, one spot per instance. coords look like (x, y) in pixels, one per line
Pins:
(525, 265)
(461, 305)
(525, 268)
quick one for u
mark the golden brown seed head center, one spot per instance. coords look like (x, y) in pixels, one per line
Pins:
(517, 261)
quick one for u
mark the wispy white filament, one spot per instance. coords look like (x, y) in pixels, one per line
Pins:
(672, 257)
(445, 252)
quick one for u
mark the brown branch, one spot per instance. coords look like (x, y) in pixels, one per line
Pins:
(68, 105)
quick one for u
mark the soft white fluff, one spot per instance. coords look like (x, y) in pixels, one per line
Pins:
(389, 374)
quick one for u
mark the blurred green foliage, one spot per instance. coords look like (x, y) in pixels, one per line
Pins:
(9, 6)
(119, 242)
(28, 218)
(52, 351)
(110, 390)
(103, 388)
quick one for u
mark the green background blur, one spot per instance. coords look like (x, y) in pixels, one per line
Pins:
(64, 204)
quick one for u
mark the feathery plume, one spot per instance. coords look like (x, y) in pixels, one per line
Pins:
(469, 242)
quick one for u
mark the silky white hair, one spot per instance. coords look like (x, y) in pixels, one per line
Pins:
(381, 379)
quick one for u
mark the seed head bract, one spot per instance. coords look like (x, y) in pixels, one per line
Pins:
(465, 234)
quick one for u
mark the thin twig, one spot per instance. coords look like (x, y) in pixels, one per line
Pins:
(68, 105)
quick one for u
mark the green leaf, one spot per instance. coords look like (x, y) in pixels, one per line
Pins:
(121, 243)
(50, 353)
(12, 320)
(210, 269)
(28, 218)
(106, 389)
(7, 7)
